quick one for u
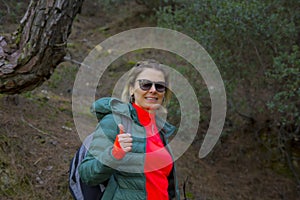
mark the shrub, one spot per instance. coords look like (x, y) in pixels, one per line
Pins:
(246, 39)
(285, 75)
(255, 44)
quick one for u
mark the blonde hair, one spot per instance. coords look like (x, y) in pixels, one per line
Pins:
(136, 70)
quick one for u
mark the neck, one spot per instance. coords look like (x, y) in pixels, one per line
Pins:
(146, 117)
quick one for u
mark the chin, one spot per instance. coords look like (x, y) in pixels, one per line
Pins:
(153, 106)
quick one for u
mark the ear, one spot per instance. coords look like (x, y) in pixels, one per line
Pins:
(131, 90)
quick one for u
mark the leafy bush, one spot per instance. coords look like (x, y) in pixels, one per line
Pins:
(246, 39)
(285, 74)
(256, 47)
(155, 4)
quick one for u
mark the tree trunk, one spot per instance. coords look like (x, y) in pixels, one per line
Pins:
(29, 56)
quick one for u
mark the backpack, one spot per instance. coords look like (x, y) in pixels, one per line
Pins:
(78, 189)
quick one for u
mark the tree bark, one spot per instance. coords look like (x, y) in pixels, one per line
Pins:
(29, 56)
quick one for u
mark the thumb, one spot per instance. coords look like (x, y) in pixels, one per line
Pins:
(121, 127)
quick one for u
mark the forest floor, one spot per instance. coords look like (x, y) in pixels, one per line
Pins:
(38, 137)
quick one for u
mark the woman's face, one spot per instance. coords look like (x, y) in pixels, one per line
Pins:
(151, 99)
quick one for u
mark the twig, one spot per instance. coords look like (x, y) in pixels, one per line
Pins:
(35, 128)
(184, 188)
(7, 7)
(281, 147)
(257, 54)
(66, 58)
(37, 161)
(251, 119)
(282, 141)
(257, 133)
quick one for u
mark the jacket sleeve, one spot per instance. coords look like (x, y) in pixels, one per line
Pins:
(99, 164)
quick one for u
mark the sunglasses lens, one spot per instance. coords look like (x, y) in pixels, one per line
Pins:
(146, 85)
(160, 87)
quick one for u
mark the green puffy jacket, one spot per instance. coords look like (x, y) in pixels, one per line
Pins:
(126, 176)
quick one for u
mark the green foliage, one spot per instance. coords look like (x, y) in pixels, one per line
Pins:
(28, 95)
(285, 75)
(110, 4)
(189, 196)
(244, 38)
(155, 4)
(234, 33)
(255, 45)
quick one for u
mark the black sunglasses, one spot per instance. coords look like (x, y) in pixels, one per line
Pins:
(145, 85)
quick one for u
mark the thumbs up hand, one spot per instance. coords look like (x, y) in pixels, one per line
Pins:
(122, 144)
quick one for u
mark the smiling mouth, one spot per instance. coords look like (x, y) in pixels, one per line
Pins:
(151, 98)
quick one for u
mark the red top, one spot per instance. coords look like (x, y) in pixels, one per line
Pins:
(158, 161)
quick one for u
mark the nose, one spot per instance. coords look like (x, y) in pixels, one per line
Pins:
(152, 89)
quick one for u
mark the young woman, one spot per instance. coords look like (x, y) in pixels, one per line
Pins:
(137, 164)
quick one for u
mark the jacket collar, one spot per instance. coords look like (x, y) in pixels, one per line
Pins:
(166, 128)
(108, 105)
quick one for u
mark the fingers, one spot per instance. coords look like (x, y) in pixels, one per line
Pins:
(124, 139)
(122, 129)
(127, 149)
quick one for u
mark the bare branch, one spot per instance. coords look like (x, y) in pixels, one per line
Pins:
(7, 7)
(35, 128)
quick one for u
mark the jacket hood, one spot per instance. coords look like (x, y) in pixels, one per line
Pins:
(108, 105)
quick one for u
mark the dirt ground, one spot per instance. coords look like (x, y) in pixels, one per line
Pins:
(38, 137)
